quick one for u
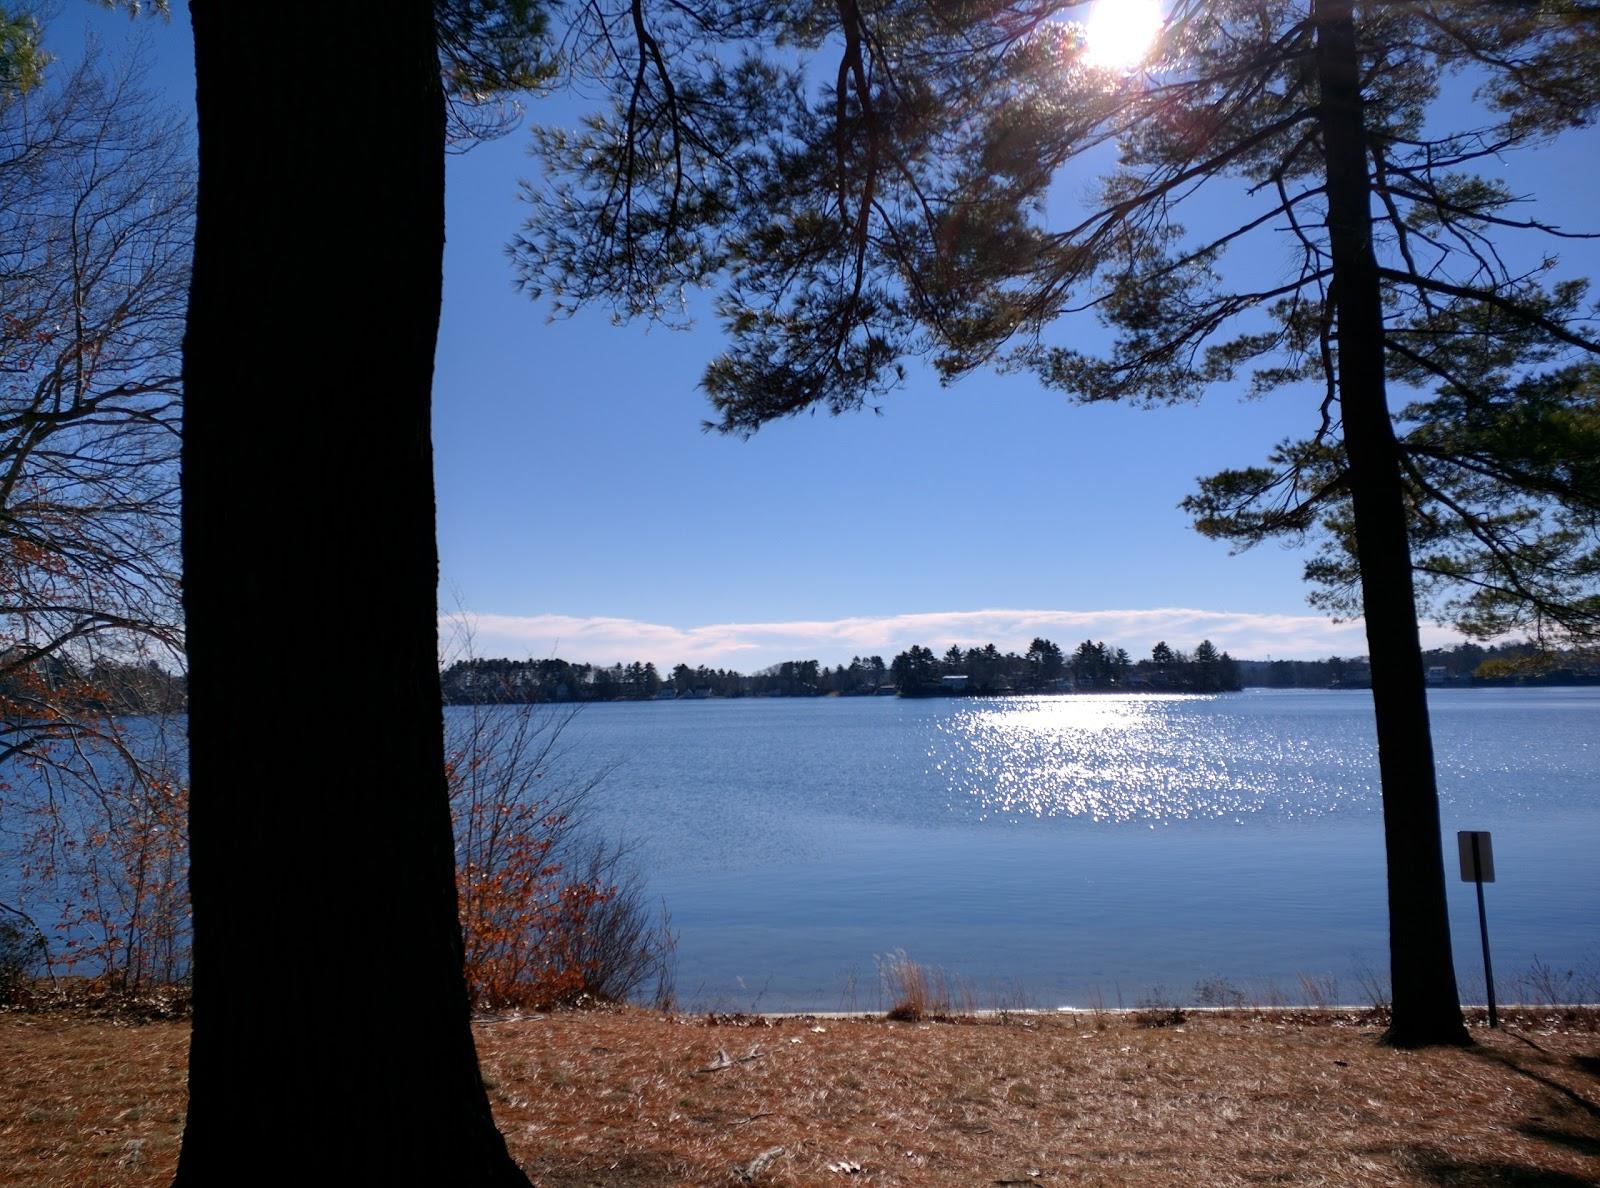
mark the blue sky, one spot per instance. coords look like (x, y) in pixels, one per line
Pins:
(584, 513)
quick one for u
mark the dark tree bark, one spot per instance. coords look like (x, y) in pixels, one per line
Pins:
(1427, 1009)
(331, 1032)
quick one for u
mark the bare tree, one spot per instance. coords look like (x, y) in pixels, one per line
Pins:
(96, 208)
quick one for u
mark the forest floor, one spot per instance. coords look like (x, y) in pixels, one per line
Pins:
(632, 1098)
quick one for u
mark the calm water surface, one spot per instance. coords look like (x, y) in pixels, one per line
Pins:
(1083, 849)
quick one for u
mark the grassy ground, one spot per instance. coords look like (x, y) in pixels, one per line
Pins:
(631, 1098)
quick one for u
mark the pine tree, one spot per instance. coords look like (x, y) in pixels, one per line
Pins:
(895, 211)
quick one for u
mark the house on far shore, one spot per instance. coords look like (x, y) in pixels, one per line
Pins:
(953, 684)
(1438, 674)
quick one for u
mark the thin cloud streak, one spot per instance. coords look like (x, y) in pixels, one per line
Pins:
(750, 646)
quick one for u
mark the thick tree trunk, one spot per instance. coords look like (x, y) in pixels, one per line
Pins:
(331, 1037)
(1426, 1007)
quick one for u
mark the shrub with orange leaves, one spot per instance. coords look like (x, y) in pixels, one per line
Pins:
(93, 809)
(548, 916)
(97, 827)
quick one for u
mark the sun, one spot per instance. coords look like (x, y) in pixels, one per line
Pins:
(1120, 33)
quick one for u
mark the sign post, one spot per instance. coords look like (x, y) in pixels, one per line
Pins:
(1477, 866)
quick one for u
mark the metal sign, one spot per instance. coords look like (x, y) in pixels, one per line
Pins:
(1477, 856)
(1477, 867)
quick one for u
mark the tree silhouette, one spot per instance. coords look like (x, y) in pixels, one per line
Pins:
(320, 857)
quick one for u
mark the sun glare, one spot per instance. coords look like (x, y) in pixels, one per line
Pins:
(1120, 33)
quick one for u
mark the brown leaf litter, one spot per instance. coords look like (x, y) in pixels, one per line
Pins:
(631, 1098)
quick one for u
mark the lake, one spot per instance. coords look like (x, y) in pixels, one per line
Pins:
(1085, 849)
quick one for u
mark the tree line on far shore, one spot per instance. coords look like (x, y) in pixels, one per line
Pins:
(91, 684)
(1044, 667)
(1467, 663)
(109, 686)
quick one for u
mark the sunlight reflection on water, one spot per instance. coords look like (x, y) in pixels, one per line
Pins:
(1143, 757)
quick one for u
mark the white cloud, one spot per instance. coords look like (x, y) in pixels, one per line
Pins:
(749, 646)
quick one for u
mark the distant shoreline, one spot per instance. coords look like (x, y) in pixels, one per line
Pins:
(1531, 682)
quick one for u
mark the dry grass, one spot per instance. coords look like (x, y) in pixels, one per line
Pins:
(915, 992)
(84, 1101)
(619, 1098)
